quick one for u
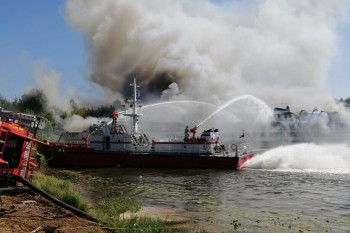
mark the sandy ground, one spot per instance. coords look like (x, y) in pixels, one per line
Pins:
(32, 213)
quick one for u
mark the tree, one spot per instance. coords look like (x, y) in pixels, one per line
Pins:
(347, 101)
(35, 101)
(4, 103)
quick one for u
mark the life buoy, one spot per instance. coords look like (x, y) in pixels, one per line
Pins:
(233, 146)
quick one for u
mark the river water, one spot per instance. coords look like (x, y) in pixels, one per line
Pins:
(270, 195)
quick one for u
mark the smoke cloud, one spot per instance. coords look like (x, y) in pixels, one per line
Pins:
(279, 51)
(48, 80)
(77, 123)
(58, 94)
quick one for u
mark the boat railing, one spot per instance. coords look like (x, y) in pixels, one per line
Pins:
(175, 138)
(141, 138)
(140, 150)
(243, 148)
(69, 144)
(188, 151)
(181, 139)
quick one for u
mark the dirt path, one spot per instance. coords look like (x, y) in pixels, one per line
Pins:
(32, 213)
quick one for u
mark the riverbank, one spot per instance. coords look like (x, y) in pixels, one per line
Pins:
(26, 212)
(223, 206)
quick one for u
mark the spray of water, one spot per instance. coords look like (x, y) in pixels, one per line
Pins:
(168, 119)
(179, 102)
(261, 108)
(243, 113)
(304, 157)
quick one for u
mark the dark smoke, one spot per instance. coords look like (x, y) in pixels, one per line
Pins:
(34, 101)
(279, 51)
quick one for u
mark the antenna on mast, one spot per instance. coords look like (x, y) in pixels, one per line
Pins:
(134, 104)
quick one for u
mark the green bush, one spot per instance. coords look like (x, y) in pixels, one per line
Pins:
(61, 189)
(114, 206)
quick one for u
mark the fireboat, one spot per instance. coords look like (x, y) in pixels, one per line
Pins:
(110, 144)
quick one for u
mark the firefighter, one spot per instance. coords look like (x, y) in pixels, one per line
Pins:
(115, 117)
(187, 132)
(40, 159)
(193, 131)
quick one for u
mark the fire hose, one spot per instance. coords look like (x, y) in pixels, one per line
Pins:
(54, 199)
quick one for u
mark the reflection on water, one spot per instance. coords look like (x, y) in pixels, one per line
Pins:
(249, 200)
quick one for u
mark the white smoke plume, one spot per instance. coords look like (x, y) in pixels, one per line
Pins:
(77, 123)
(172, 91)
(59, 95)
(48, 82)
(277, 50)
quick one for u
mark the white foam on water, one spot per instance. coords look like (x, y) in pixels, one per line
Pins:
(307, 157)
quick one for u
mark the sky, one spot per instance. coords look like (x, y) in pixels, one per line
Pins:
(37, 36)
(41, 44)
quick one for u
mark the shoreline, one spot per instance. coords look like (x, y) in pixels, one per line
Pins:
(29, 212)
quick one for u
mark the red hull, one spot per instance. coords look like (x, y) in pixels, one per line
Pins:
(88, 158)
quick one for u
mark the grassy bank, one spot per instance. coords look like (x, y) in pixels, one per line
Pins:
(110, 210)
(61, 189)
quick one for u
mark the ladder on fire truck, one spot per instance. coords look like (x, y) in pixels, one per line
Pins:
(3, 138)
(28, 165)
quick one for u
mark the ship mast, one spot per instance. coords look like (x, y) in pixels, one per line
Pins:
(134, 104)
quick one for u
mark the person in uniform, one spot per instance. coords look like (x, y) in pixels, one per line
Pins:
(114, 117)
(187, 132)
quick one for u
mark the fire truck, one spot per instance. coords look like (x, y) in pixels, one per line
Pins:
(18, 146)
